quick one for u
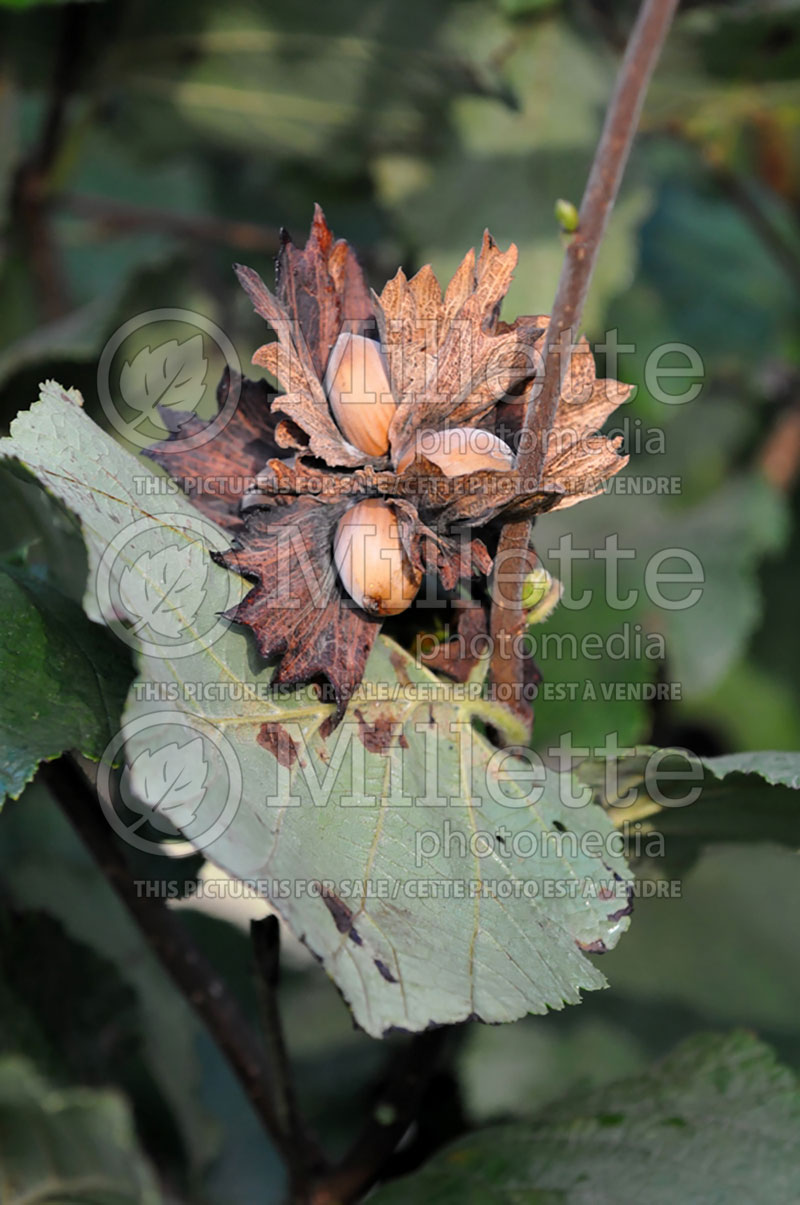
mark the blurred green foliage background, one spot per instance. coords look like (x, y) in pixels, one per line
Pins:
(146, 147)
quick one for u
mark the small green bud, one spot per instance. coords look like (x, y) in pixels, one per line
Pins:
(566, 215)
(540, 595)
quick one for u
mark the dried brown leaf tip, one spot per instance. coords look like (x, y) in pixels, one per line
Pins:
(393, 439)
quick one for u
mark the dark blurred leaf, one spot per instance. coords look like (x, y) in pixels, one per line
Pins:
(771, 717)
(73, 1147)
(32, 3)
(719, 942)
(775, 648)
(78, 336)
(334, 1064)
(67, 1009)
(729, 533)
(47, 1012)
(508, 1071)
(720, 289)
(759, 37)
(718, 1120)
(45, 868)
(597, 672)
(40, 535)
(64, 679)
(245, 1167)
(710, 950)
(298, 84)
(518, 8)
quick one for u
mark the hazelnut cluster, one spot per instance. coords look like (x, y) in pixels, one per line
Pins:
(368, 550)
(390, 447)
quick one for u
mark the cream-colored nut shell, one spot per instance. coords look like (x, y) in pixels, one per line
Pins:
(372, 564)
(357, 387)
(459, 450)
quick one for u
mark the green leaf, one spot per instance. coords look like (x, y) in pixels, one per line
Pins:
(102, 276)
(694, 800)
(28, 3)
(64, 679)
(538, 146)
(600, 654)
(235, 89)
(75, 1147)
(716, 1121)
(75, 1036)
(698, 625)
(748, 302)
(715, 954)
(778, 769)
(397, 842)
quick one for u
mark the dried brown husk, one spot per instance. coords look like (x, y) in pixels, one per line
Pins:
(451, 363)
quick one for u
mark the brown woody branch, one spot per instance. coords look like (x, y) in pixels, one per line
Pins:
(303, 1159)
(398, 1102)
(515, 557)
(124, 217)
(181, 958)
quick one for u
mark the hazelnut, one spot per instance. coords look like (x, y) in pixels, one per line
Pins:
(372, 563)
(357, 388)
(459, 450)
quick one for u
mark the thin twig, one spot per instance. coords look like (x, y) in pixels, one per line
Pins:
(397, 1105)
(514, 555)
(171, 943)
(123, 217)
(31, 191)
(265, 936)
